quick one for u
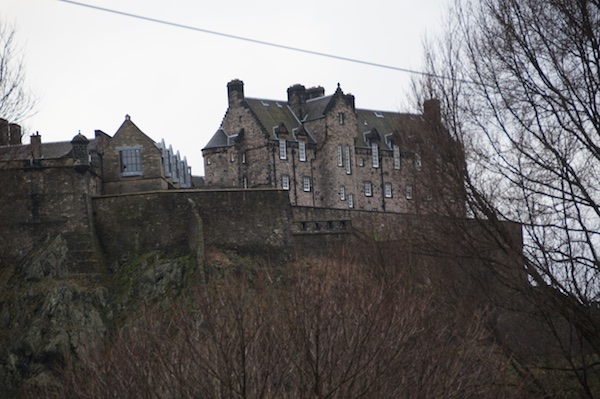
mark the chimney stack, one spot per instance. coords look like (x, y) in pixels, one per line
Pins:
(432, 110)
(15, 134)
(297, 99)
(4, 132)
(36, 145)
(235, 91)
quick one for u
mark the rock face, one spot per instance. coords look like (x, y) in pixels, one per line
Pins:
(49, 316)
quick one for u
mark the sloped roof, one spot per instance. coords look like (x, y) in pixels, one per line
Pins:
(54, 150)
(271, 114)
(403, 127)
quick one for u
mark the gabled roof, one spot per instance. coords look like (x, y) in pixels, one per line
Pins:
(271, 114)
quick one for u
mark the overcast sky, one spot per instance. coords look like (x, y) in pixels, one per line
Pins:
(90, 68)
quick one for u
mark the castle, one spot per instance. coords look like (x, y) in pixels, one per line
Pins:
(282, 177)
(329, 154)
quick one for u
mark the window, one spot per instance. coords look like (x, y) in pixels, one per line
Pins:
(208, 162)
(397, 157)
(306, 183)
(408, 190)
(285, 182)
(341, 118)
(342, 193)
(282, 149)
(340, 156)
(350, 201)
(368, 189)
(232, 157)
(378, 114)
(131, 161)
(388, 190)
(243, 157)
(361, 162)
(375, 152)
(302, 150)
(245, 182)
(418, 164)
(348, 165)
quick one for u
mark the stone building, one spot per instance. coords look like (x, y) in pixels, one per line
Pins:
(48, 187)
(329, 154)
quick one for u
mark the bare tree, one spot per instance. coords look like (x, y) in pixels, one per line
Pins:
(317, 330)
(520, 82)
(16, 100)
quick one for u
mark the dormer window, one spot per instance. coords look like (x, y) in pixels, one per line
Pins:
(302, 150)
(131, 161)
(282, 149)
(397, 163)
(375, 154)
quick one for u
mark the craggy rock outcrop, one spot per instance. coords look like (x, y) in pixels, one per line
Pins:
(49, 316)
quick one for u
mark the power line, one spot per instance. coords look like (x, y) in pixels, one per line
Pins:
(261, 42)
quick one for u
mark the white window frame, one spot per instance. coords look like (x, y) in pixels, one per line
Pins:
(387, 189)
(306, 183)
(348, 161)
(285, 182)
(232, 156)
(341, 118)
(408, 191)
(340, 155)
(397, 161)
(350, 200)
(243, 157)
(130, 160)
(282, 149)
(368, 189)
(375, 155)
(302, 150)
(342, 193)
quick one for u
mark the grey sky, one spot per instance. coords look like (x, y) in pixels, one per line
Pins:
(89, 68)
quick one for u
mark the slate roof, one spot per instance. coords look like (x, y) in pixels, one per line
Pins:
(405, 128)
(55, 150)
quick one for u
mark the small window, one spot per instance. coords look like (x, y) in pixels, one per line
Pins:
(341, 118)
(342, 193)
(306, 183)
(282, 149)
(208, 162)
(408, 190)
(285, 182)
(361, 162)
(348, 164)
(368, 189)
(397, 163)
(245, 182)
(350, 201)
(418, 164)
(302, 150)
(388, 190)
(243, 157)
(375, 154)
(232, 157)
(340, 155)
(131, 161)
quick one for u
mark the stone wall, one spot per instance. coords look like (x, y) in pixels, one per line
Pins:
(246, 220)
